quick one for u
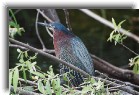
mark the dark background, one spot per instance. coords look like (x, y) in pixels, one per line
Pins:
(93, 34)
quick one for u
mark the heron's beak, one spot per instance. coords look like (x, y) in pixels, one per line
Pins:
(46, 25)
(43, 24)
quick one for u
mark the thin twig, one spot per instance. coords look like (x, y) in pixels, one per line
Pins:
(128, 48)
(47, 18)
(28, 81)
(109, 24)
(113, 90)
(38, 35)
(67, 19)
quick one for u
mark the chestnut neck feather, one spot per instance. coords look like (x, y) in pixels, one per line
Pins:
(60, 38)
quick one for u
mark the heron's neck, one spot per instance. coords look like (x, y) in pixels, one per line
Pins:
(60, 39)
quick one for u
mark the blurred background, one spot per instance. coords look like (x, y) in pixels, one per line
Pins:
(92, 33)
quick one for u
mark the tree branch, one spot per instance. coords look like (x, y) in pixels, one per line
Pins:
(109, 24)
(21, 91)
(128, 49)
(23, 48)
(28, 81)
(114, 71)
(117, 81)
(17, 46)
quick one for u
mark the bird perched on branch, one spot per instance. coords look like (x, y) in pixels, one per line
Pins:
(71, 49)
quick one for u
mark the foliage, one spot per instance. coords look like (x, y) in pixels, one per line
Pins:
(135, 63)
(118, 38)
(49, 83)
(115, 34)
(25, 64)
(14, 27)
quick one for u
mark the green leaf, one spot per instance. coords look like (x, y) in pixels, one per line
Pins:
(48, 88)
(53, 82)
(26, 54)
(24, 74)
(117, 38)
(10, 78)
(136, 69)
(65, 78)
(58, 89)
(114, 23)
(38, 74)
(92, 80)
(13, 15)
(34, 57)
(40, 86)
(13, 24)
(119, 25)
(21, 60)
(15, 78)
(19, 55)
(86, 89)
(18, 50)
(111, 36)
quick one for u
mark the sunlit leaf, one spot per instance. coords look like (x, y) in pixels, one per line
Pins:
(48, 88)
(19, 55)
(119, 25)
(114, 23)
(15, 78)
(13, 15)
(135, 68)
(18, 50)
(13, 24)
(26, 54)
(24, 74)
(10, 77)
(40, 86)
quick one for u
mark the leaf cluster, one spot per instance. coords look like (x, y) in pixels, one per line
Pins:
(50, 83)
(115, 35)
(135, 63)
(14, 27)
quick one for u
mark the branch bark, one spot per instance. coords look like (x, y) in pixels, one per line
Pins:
(114, 71)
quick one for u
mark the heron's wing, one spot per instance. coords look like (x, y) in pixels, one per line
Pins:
(67, 54)
(82, 54)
